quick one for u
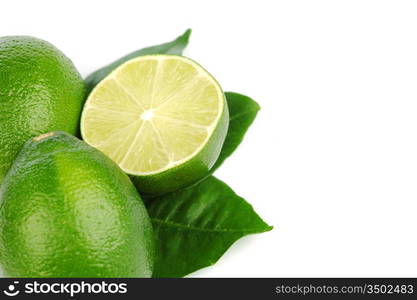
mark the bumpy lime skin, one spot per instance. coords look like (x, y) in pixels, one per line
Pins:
(40, 91)
(66, 210)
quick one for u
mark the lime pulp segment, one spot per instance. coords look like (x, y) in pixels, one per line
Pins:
(153, 113)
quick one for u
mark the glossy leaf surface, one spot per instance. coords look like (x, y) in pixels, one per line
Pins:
(193, 227)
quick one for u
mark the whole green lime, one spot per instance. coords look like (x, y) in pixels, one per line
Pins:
(40, 91)
(66, 210)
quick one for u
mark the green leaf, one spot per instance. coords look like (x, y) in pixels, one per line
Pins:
(196, 225)
(242, 112)
(174, 47)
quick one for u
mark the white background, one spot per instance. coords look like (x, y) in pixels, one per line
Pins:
(331, 160)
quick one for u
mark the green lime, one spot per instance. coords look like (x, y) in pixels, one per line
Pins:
(162, 118)
(66, 210)
(40, 91)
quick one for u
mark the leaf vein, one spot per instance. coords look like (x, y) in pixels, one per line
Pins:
(243, 113)
(189, 227)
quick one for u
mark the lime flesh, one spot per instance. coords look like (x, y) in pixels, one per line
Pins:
(161, 118)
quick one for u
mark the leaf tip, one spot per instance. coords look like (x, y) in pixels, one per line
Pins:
(268, 228)
(255, 105)
(186, 34)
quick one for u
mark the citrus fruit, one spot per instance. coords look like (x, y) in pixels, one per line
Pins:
(162, 118)
(40, 91)
(67, 210)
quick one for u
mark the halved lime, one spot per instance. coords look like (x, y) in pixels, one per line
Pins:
(162, 118)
